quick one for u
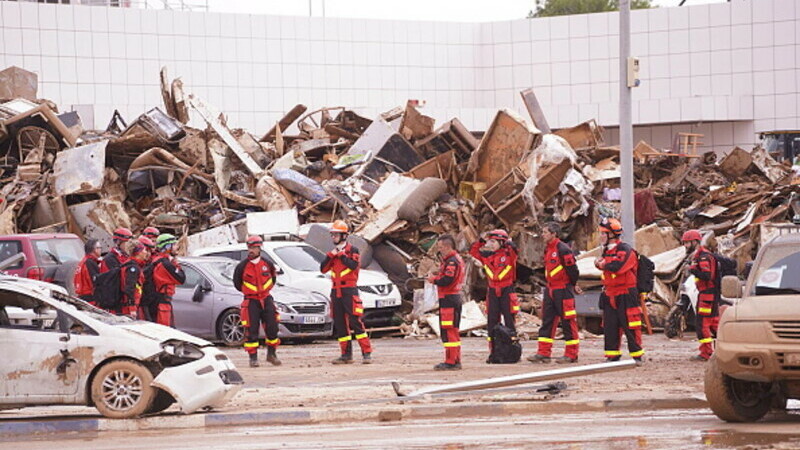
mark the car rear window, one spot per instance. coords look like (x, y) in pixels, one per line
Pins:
(301, 257)
(58, 251)
(778, 272)
(9, 249)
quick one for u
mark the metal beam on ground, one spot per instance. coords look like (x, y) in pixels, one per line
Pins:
(531, 377)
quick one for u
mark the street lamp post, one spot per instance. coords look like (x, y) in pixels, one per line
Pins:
(625, 125)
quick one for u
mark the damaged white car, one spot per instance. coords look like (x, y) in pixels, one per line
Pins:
(80, 355)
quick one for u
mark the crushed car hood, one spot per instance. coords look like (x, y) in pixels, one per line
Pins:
(161, 333)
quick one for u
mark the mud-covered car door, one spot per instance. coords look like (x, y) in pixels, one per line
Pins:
(38, 362)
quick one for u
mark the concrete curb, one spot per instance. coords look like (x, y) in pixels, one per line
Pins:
(389, 413)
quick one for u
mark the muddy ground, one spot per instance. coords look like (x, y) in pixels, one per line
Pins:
(307, 379)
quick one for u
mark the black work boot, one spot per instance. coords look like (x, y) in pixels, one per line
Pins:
(639, 361)
(254, 360)
(272, 358)
(447, 366)
(698, 358)
(344, 359)
(366, 358)
(539, 359)
(566, 360)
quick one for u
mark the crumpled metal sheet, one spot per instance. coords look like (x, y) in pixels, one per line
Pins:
(80, 170)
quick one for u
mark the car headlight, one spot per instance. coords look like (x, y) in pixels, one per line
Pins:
(282, 308)
(182, 351)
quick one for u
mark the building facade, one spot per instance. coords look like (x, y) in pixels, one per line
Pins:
(727, 70)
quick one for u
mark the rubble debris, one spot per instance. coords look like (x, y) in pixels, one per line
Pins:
(18, 83)
(398, 179)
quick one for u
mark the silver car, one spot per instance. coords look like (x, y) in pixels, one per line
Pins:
(207, 305)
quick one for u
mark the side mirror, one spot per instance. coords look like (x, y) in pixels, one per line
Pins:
(278, 269)
(198, 293)
(206, 286)
(731, 287)
(748, 266)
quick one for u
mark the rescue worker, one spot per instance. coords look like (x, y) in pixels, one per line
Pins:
(344, 263)
(151, 233)
(498, 255)
(561, 274)
(622, 312)
(255, 277)
(132, 279)
(449, 280)
(167, 274)
(704, 269)
(87, 270)
(118, 254)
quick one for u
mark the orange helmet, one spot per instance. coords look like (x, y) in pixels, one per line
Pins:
(339, 226)
(611, 225)
(147, 242)
(691, 235)
(151, 232)
(122, 234)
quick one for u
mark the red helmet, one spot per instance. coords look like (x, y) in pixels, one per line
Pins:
(498, 234)
(151, 232)
(611, 225)
(691, 235)
(254, 241)
(122, 234)
(339, 226)
(147, 242)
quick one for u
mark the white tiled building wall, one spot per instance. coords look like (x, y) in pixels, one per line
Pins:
(726, 70)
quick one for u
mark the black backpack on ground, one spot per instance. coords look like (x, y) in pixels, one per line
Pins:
(506, 348)
(107, 289)
(646, 274)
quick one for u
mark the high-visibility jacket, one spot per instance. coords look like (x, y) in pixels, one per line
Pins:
(115, 258)
(450, 279)
(619, 265)
(167, 274)
(254, 279)
(500, 266)
(704, 268)
(559, 265)
(87, 269)
(343, 267)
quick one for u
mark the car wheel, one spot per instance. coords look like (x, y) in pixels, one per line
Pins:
(676, 322)
(735, 400)
(162, 401)
(121, 389)
(229, 328)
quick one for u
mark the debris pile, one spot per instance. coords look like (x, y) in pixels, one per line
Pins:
(398, 180)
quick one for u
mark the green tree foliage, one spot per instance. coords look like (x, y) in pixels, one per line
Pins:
(550, 8)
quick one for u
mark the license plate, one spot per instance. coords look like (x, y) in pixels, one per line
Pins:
(313, 319)
(384, 303)
(792, 359)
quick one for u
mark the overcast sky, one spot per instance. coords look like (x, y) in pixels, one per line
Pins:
(445, 10)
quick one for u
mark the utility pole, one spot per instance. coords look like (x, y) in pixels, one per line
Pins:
(625, 125)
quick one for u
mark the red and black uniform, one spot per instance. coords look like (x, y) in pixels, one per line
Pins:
(255, 279)
(448, 285)
(167, 274)
(83, 280)
(131, 281)
(622, 312)
(561, 274)
(114, 259)
(501, 272)
(346, 305)
(704, 269)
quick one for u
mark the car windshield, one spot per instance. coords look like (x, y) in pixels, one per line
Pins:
(221, 271)
(301, 257)
(58, 251)
(778, 272)
(91, 311)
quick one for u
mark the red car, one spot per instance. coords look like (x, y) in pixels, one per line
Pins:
(48, 257)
